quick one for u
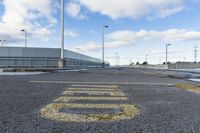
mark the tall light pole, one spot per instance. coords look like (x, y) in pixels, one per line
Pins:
(61, 61)
(104, 27)
(25, 36)
(167, 52)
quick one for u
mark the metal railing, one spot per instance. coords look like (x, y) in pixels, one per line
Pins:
(42, 62)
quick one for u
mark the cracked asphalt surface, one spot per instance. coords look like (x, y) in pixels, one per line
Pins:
(162, 108)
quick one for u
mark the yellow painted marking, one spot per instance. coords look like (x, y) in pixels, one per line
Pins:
(97, 86)
(51, 111)
(93, 89)
(189, 87)
(67, 99)
(111, 93)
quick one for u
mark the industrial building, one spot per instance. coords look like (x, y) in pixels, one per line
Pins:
(44, 57)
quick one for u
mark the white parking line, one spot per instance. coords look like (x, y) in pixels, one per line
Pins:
(105, 83)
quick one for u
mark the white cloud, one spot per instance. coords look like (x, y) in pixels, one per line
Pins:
(125, 38)
(20, 14)
(166, 12)
(73, 9)
(90, 46)
(134, 9)
(71, 33)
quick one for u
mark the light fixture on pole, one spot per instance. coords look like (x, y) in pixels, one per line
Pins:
(167, 52)
(103, 62)
(61, 61)
(25, 36)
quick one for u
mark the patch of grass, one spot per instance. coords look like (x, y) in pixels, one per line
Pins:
(189, 87)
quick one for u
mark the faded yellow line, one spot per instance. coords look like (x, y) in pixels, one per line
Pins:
(97, 86)
(126, 111)
(99, 93)
(93, 89)
(52, 111)
(67, 99)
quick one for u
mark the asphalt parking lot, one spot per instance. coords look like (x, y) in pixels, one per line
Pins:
(93, 101)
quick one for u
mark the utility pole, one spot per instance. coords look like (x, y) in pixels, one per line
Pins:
(195, 53)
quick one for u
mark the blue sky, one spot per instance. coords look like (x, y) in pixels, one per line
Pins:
(136, 28)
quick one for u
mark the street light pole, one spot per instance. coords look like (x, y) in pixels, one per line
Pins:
(25, 36)
(103, 62)
(167, 52)
(61, 61)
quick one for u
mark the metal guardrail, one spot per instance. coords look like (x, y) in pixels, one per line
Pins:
(35, 62)
(44, 57)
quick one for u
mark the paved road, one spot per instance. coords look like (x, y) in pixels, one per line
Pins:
(115, 101)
